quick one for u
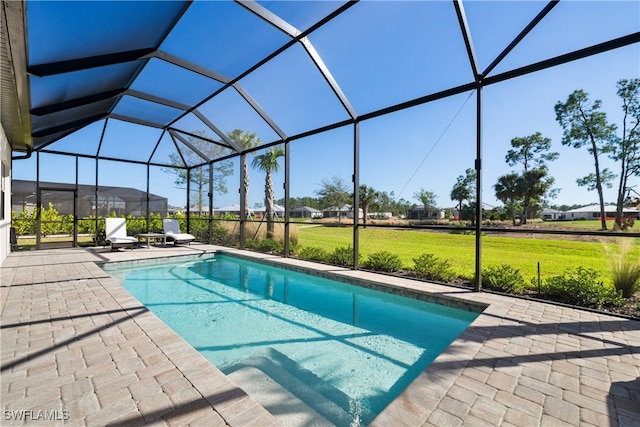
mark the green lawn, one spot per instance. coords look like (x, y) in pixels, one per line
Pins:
(554, 255)
(589, 225)
(29, 243)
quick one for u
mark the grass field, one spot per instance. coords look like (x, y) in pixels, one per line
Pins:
(590, 225)
(30, 242)
(554, 255)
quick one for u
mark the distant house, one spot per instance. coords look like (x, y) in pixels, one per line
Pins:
(230, 210)
(360, 214)
(340, 212)
(486, 208)
(593, 212)
(305, 212)
(431, 213)
(277, 210)
(80, 199)
(553, 215)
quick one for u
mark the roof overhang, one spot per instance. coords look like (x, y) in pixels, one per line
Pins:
(14, 105)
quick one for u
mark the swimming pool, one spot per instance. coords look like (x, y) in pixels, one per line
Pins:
(338, 351)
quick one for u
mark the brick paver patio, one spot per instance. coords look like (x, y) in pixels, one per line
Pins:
(77, 349)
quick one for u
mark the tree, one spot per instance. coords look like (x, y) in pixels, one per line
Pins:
(298, 202)
(626, 150)
(402, 206)
(464, 188)
(532, 152)
(334, 193)
(246, 141)
(268, 163)
(508, 191)
(534, 184)
(368, 198)
(606, 179)
(199, 177)
(388, 203)
(427, 198)
(584, 125)
(565, 207)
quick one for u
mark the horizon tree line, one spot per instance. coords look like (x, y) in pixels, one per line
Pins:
(522, 191)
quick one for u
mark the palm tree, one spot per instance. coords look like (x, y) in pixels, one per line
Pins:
(246, 141)
(508, 190)
(268, 162)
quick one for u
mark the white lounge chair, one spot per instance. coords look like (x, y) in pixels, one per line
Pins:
(171, 229)
(116, 234)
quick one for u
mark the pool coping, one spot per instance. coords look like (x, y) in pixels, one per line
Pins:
(520, 362)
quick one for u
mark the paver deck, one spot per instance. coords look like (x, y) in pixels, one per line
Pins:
(77, 349)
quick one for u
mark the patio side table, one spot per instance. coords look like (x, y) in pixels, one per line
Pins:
(155, 237)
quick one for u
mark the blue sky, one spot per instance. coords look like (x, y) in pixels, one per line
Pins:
(380, 53)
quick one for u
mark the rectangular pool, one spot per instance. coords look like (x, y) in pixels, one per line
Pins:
(342, 352)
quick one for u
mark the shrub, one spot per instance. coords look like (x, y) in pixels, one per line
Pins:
(313, 253)
(272, 246)
(462, 229)
(218, 233)
(100, 238)
(581, 287)
(199, 227)
(66, 224)
(383, 261)
(136, 225)
(428, 266)
(50, 220)
(226, 216)
(231, 232)
(266, 245)
(155, 223)
(342, 256)
(503, 278)
(88, 225)
(24, 222)
(625, 224)
(625, 272)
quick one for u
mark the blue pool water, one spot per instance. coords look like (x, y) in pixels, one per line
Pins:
(344, 350)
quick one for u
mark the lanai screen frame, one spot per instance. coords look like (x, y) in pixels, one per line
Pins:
(478, 84)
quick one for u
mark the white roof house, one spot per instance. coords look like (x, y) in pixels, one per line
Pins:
(231, 209)
(277, 209)
(593, 212)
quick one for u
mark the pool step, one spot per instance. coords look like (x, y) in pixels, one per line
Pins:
(284, 388)
(289, 410)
